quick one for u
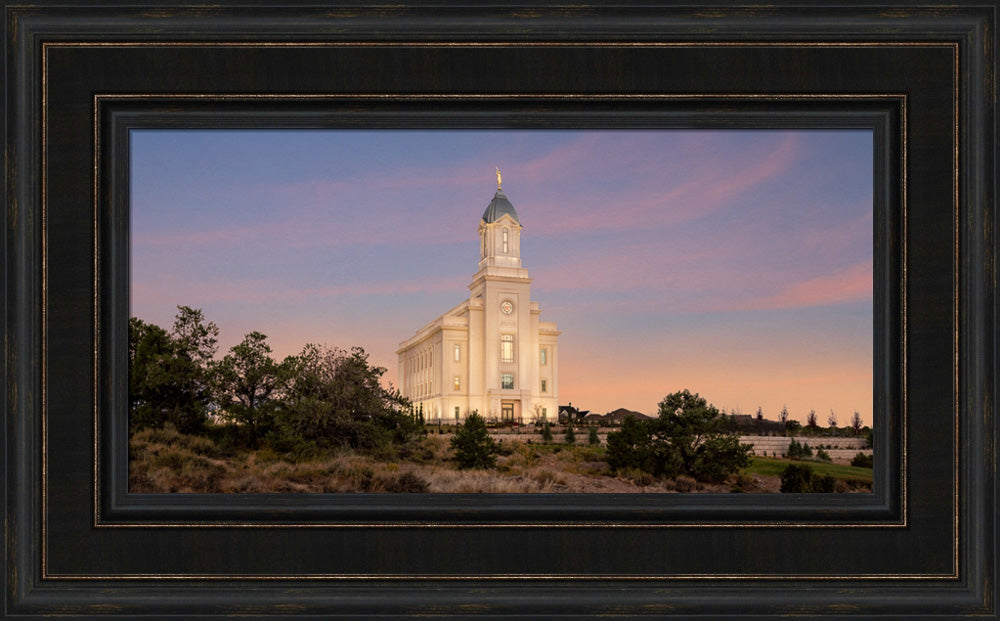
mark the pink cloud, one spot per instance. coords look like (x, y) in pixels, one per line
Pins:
(710, 184)
(849, 284)
(169, 289)
(325, 213)
(226, 236)
(300, 229)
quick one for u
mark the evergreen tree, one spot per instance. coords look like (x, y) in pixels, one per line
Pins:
(546, 432)
(169, 372)
(862, 461)
(334, 398)
(798, 450)
(801, 479)
(247, 381)
(569, 436)
(689, 437)
(630, 446)
(472, 444)
(593, 439)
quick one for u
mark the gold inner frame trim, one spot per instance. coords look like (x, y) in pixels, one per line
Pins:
(902, 99)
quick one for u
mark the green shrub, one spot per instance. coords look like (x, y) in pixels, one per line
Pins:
(546, 432)
(593, 439)
(472, 444)
(863, 461)
(798, 450)
(569, 436)
(798, 479)
(688, 437)
(825, 484)
(822, 455)
(629, 448)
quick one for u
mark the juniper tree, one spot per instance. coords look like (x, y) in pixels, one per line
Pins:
(473, 446)
(247, 381)
(593, 439)
(169, 372)
(569, 436)
(546, 432)
(689, 437)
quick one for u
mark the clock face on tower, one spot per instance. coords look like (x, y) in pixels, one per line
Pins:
(506, 307)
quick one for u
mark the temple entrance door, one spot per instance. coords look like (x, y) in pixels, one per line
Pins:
(506, 411)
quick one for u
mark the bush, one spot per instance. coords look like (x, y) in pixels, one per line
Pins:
(689, 437)
(825, 484)
(334, 399)
(742, 483)
(822, 455)
(685, 484)
(863, 461)
(406, 482)
(798, 479)
(629, 448)
(644, 479)
(569, 436)
(472, 444)
(593, 439)
(798, 450)
(546, 432)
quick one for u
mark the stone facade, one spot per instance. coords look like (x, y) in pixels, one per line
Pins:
(491, 353)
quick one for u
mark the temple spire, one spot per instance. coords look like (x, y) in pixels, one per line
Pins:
(499, 179)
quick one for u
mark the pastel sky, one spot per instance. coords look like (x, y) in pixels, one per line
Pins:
(735, 263)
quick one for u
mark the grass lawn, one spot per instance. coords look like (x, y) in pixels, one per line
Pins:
(772, 466)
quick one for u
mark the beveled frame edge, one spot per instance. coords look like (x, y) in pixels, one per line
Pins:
(116, 508)
(975, 595)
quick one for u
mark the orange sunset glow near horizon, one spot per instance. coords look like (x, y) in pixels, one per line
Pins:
(737, 264)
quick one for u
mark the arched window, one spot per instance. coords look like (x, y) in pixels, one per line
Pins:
(505, 251)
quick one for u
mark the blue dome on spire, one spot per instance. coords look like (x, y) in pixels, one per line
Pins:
(498, 207)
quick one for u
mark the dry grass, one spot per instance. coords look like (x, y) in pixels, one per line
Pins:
(166, 461)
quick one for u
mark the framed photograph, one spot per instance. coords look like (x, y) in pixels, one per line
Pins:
(881, 121)
(714, 266)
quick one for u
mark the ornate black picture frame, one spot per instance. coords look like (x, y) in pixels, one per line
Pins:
(80, 76)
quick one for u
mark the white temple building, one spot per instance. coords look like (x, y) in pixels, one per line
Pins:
(491, 353)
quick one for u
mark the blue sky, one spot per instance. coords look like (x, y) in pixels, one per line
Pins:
(735, 263)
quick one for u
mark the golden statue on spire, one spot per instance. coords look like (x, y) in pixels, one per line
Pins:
(499, 179)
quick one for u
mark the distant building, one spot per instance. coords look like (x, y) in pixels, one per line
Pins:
(617, 416)
(491, 353)
(568, 413)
